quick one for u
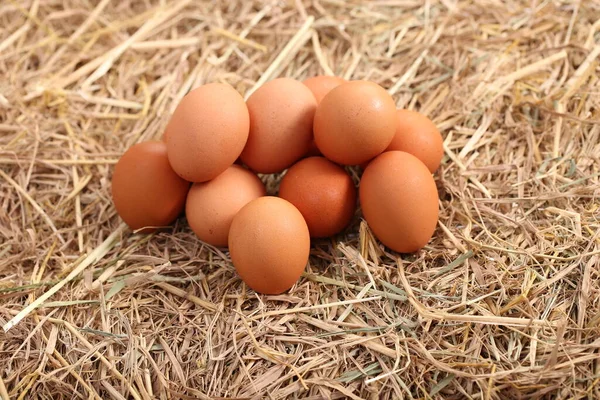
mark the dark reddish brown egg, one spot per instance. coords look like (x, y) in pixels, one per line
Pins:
(323, 192)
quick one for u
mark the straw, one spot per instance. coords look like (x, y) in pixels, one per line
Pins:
(502, 303)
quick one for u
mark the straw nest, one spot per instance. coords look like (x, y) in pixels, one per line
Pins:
(502, 303)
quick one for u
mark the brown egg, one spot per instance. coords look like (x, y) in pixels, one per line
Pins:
(322, 84)
(207, 132)
(281, 118)
(416, 134)
(145, 189)
(399, 201)
(211, 206)
(323, 192)
(355, 122)
(269, 244)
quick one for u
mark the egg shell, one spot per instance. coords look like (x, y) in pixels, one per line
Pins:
(355, 122)
(281, 117)
(319, 86)
(146, 192)
(416, 134)
(323, 192)
(269, 244)
(322, 84)
(399, 201)
(207, 132)
(211, 206)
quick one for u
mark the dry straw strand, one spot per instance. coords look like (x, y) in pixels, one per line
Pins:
(502, 303)
(94, 256)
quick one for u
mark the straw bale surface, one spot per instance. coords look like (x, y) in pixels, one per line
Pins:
(503, 303)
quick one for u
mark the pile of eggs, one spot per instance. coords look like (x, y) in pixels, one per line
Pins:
(216, 143)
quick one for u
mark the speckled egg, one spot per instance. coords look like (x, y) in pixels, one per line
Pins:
(146, 192)
(269, 244)
(399, 201)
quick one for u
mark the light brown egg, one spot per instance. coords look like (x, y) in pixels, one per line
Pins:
(281, 118)
(355, 122)
(269, 244)
(322, 84)
(323, 192)
(416, 134)
(211, 206)
(207, 132)
(146, 192)
(399, 201)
